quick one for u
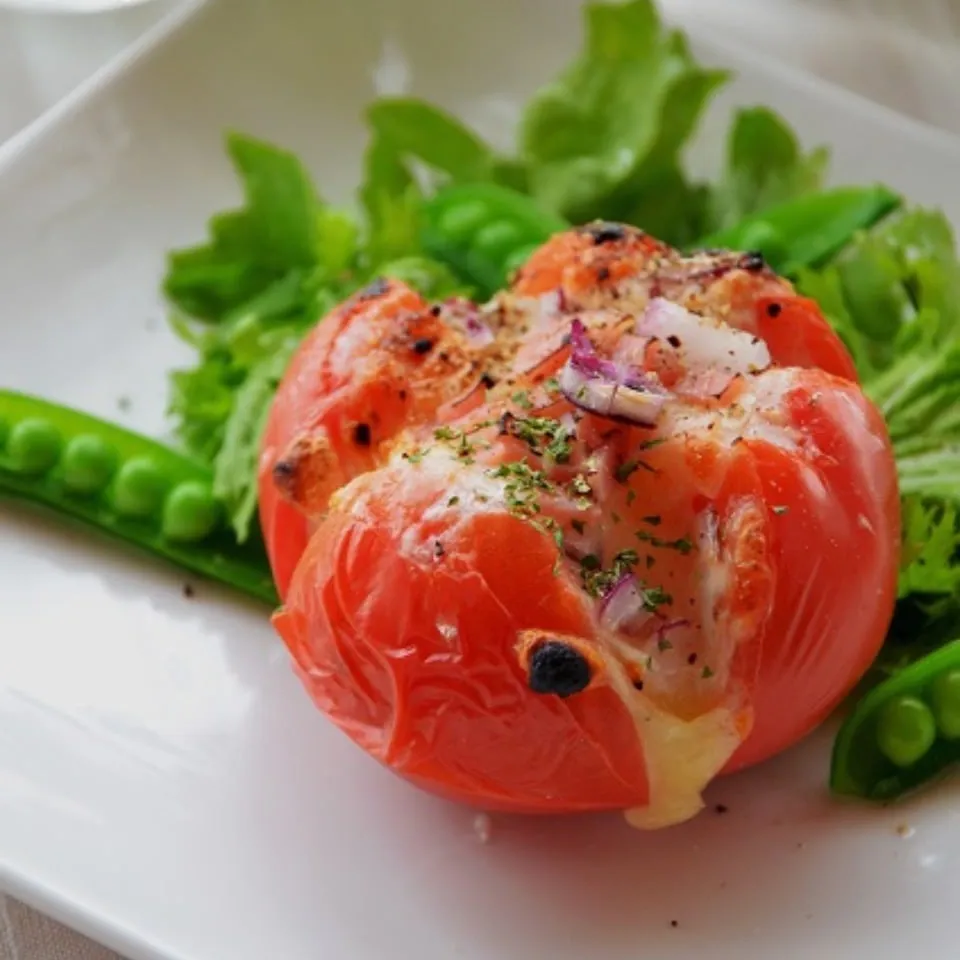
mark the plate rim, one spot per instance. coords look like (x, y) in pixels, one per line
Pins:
(119, 67)
(110, 931)
(115, 70)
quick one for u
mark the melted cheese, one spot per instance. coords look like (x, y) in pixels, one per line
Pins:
(682, 756)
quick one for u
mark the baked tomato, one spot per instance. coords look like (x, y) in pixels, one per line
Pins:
(629, 526)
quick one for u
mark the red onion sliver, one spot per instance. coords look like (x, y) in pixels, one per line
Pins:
(465, 316)
(623, 608)
(583, 355)
(610, 399)
(605, 388)
(705, 344)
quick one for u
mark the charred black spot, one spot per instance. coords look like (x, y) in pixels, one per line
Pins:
(435, 310)
(774, 310)
(377, 288)
(422, 346)
(362, 435)
(638, 685)
(438, 550)
(557, 668)
(488, 381)
(283, 473)
(604, 232)
(673, 340)
(753, 261)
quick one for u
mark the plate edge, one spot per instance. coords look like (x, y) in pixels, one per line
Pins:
(114, 70)
(896, 122)
(82, 918)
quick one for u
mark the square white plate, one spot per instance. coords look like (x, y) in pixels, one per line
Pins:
(164, 783)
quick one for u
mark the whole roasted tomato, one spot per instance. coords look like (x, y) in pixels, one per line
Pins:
(628, 526)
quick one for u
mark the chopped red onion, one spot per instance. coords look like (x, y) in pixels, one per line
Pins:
(584, 357)
(611, 399)
(668, 626)
(704, 344)
(606, 388)
(465, 316)
(624, 610)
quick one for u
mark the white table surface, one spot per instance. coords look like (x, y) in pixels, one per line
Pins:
(45, 56)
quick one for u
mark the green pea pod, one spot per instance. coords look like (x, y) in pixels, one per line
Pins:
(808, 231)
(126, 485)
(903, 733)
(484, 231)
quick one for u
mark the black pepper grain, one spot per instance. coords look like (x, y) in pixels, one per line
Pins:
(361, 435)
(422, 346)
(774, 309)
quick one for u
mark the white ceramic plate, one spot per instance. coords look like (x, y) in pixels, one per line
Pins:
(164, 784)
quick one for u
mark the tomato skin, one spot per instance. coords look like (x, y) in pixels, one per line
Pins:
(361, 368)
(835, 541)
(418, 662)
(798, 335)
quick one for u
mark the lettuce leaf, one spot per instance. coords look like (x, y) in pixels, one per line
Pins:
(614, 123)
(765, 166)
(269, 271)
(418, 130)
(894, 297)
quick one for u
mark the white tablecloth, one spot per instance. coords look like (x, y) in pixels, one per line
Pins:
(44, 56)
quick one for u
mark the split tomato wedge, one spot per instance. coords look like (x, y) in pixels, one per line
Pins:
(629, 526)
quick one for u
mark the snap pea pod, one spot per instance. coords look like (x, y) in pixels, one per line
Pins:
(902, 734)
(126, 485)
(484, 231)
(808, 231)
